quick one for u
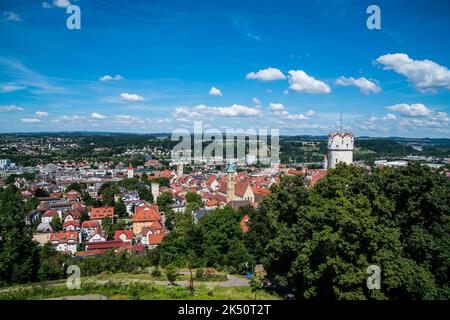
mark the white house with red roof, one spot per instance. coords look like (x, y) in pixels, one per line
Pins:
(65, 241)
(124, 235)
(89, 227)
(48, 216)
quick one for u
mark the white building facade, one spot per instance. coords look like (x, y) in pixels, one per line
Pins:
(340, 148)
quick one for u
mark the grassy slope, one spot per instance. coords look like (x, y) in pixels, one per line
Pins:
(130, 286)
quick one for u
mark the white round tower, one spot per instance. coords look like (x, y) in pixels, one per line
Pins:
(340, 148)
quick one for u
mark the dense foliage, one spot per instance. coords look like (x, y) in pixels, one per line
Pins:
(318, 242)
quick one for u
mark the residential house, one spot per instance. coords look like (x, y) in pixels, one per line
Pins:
(145, 216)
(65, 241)
(124, 235)
(102, 213)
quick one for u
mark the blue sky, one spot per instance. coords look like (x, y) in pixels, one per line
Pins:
(154, 66)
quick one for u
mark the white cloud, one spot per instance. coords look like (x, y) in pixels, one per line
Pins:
(413, 110)
(10, 87)
(74, 118)
(131, 97)
(46, 5)
(215, 92)
(236, 110)
(41, 114)
(301, 82)
(10, 16)
(183, 112)
(276, 106)
(425, 75)
(441, 117)
(257, 102)
(30, 120)
(365, 86)
(97, 116)
(283, 114)
(61, 3)
(127, 119)
(10, 108)
(269, 74)
(389, 116)
(310, 113)
(107, 77)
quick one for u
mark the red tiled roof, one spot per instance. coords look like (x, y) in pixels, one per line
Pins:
(128, 234)
(211, 203)
(90, 224)
(89, 252)
(71, 223)
(156, 238)
(105, 245)
(102, 213)
(50, 213)
(64, 236)
(244, 224)
(146, 213)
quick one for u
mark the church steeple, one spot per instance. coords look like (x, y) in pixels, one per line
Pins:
(230, 183)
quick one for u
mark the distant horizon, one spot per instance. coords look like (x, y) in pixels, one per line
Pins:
(169, 133)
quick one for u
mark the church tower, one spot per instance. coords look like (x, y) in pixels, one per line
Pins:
(155, 191)
(231, 174)
(180, 168)
(130, 171)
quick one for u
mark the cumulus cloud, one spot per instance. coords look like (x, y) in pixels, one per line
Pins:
(389, 117)
(56, 3)
(41, 114)
(127, 119)
(425, 75)
(283, 114)
(107, 77)
(131, 97)
(97, 116)
(411, 110)
(10, 87)
(30, 120)
(10, 16)
(365, 86)
(257, 102)
(311, 113)
(183, 112)
(269, 74)
(9, 108)
(73, 118)
(235, 110)
(215, 92)
(276, 106)
(302, 82)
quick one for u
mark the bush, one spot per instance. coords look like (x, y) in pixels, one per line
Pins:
(156, 272)
(171, 273)
(199, 273)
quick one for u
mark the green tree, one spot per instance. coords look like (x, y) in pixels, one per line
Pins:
(120, 209)
(194, 199)
(56, 223)
(19, 258)
(318, 242)
(171, 274)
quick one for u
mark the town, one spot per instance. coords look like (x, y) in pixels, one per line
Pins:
(86, 207)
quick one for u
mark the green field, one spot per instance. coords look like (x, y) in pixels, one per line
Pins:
(125, 286)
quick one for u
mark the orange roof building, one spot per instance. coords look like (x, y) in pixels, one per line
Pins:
(102, 213)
